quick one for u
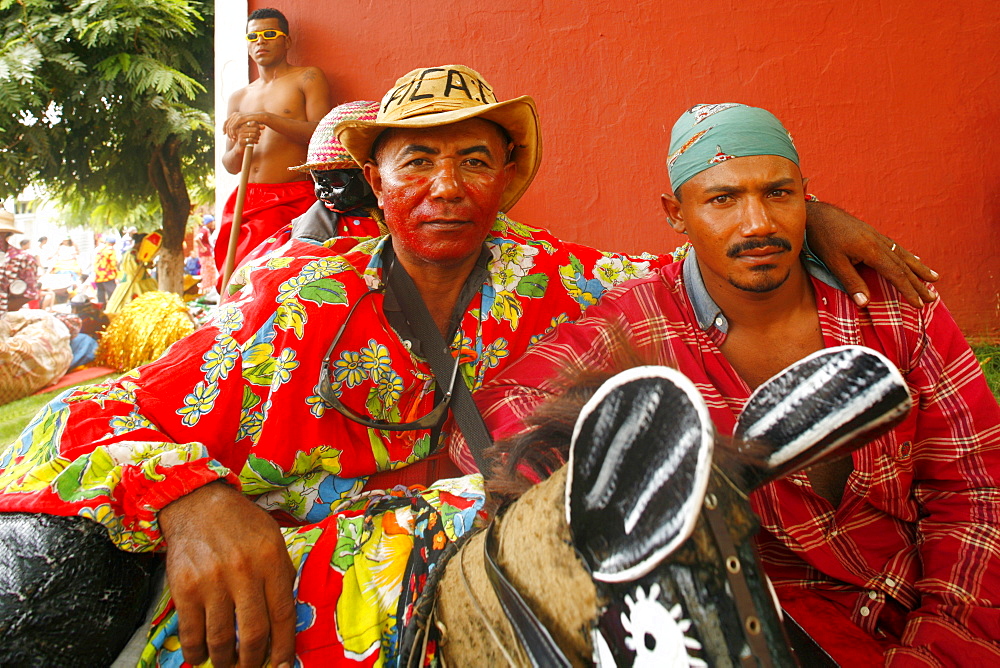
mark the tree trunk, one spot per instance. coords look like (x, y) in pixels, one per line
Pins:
(170, 269)
(168, 179)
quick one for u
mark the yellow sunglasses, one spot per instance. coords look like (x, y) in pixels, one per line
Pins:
(266, 34)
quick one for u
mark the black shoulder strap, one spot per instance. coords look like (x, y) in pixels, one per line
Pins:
(439, 356)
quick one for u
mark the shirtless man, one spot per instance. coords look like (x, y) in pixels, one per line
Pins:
(277, 113)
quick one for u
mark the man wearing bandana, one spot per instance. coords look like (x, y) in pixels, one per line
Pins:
(890, 555)
(258, 450)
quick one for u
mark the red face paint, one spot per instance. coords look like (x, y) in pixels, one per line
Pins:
(440, 189)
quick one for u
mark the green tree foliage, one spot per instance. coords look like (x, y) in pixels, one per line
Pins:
(106, 105)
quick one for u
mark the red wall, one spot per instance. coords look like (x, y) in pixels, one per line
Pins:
(894, 105)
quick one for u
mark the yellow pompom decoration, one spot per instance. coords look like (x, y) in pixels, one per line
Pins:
(143, 329)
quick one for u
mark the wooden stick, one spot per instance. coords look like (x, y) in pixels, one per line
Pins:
(234, 231)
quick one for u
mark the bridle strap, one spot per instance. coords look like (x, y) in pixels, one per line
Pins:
(536, 641)
(753, 631)
(806, 650)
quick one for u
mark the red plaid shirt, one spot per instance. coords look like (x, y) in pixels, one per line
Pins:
(913, 549)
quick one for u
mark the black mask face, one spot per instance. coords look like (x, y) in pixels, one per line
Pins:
(342, 189)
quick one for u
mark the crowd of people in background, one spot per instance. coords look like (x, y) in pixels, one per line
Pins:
(56, 275)
(58, 298)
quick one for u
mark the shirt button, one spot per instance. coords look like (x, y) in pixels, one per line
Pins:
(872, 595)
(889, 582)
(798, 482)
(719, 322)
(865, 611)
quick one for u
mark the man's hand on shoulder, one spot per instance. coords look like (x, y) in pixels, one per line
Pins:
(841, 241)
(228, 568)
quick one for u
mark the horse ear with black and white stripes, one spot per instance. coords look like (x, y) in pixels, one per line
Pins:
(639, 464)
(822, 407)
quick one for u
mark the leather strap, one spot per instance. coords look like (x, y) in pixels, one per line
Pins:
(535, 639)
(806, 650)
(759, 654)
(442, 363)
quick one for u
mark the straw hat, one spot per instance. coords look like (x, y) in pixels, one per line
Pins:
(433, 96)
(325, 152)
(7, 223)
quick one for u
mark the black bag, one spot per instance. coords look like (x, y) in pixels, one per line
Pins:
(68, 596)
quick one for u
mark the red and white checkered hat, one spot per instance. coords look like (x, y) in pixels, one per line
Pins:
(325, 151)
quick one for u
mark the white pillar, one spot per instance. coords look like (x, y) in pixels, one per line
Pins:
(231, 74)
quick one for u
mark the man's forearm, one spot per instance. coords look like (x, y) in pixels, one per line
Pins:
(232, 159)
(298, 131)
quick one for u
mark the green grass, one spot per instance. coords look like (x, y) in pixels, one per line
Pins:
(16, 415)
(988, 355)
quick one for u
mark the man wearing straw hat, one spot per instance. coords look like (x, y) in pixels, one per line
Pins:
(276, 114)
(18, 268)
(326, 378)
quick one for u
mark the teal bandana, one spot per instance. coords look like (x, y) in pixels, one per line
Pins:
(707, 134)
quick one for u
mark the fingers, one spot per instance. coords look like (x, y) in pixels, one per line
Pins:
(189, 601)
(907, 273)
(205, 626)
(851, 280)
(281, 609)
(892, 262)
(232, 126)
(252, 130)
(889, 264)
(917, 266)
(249, 133)
(254, 627)
(211, 632)
(238, 128)
(191, 629)
(220, 633)
(265, 614)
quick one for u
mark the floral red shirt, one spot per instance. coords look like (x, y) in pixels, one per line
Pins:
(238, 400)
(223, 402)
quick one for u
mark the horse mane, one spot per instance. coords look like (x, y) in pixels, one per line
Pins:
(537, 452)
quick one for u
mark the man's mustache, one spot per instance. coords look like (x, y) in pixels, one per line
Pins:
(758, 242)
